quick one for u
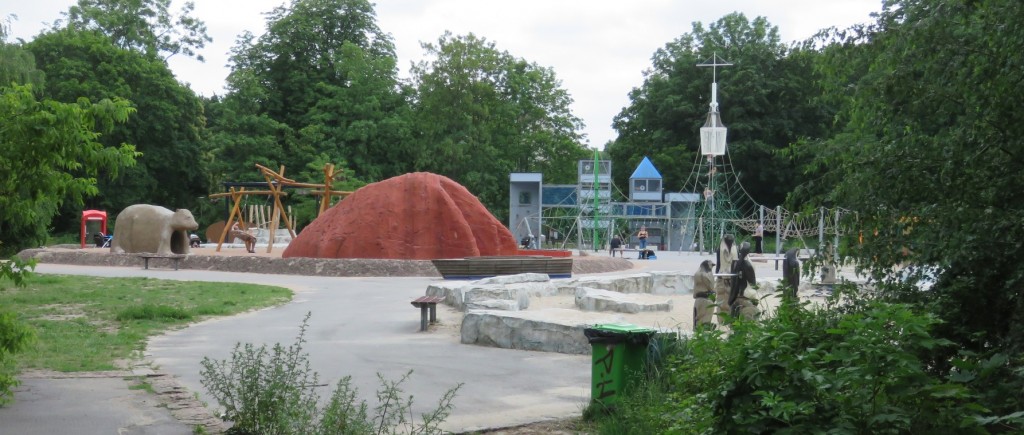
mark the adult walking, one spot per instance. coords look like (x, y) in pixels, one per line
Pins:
(642, 235)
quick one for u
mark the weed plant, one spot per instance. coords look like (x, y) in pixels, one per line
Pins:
(273, 391)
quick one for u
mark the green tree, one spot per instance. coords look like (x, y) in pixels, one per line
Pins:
(51, 152)
(147, 26)
(238, 138)
(929, 160)
(482, 113)
(768, 100)
(16, 64)
(321, 80)
(167, 128)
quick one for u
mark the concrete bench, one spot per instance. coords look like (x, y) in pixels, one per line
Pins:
(145, 259)
(424, 303)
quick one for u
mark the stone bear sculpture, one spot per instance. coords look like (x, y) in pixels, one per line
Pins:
(152, 229)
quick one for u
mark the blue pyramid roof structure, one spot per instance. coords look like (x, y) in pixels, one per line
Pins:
(646, 170)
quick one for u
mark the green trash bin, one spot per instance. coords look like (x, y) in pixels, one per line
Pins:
(619, 354)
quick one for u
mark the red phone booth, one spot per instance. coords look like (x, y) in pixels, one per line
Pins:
(94, 215)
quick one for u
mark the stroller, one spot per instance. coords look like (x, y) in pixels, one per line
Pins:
(102, 240)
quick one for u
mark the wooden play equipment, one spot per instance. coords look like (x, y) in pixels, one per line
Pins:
(276, 182)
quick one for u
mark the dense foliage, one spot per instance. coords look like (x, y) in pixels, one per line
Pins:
(51, 153)
(768, 99)
(930, 161)
(846, 368)
(147, 26)
(482, 113)
(165, 128)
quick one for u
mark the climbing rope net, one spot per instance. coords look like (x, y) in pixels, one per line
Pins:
(726, 207)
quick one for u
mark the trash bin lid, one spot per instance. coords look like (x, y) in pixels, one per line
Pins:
(616, 333)
(626, 328)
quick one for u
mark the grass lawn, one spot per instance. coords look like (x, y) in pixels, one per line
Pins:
(88, 324)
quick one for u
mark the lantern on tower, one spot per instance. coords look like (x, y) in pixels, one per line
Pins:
(712, 134)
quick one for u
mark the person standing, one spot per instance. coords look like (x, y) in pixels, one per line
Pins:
(723, 267)
(758, 236)
(642, 235)
(703, 307)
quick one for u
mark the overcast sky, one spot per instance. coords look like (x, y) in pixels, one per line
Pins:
(598, 48)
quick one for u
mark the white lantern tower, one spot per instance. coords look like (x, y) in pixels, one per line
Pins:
(712, 146)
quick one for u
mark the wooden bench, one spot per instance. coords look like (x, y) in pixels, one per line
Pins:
(424, 303)
(145, 259)
(622, 251)
(762, 258)
(484, 267)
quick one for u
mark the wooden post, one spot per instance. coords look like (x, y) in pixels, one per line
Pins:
(236, 198)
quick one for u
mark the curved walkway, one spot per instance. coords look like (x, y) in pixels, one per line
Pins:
(361, 327)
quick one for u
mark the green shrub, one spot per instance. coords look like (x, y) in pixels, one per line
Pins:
(854, 367)
(272, 391)
(15, 336)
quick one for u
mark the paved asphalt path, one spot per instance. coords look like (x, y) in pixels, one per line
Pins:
(362, 327)
(358, 327)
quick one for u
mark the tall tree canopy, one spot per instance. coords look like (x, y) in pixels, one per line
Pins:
(767, 98)
(147, 26)
(50, 152)
(931, 155)
(16, 64)
(481, 113)
(171, 170)
(321, 80)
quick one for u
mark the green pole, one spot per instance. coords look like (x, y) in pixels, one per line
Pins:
(597, 212)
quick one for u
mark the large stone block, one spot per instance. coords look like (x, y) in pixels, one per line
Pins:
(473, 297)
(590, 299)
(515, 279)
(551, 330)
(451, 292)
(637, 283)
(419, 216)
(671, 283)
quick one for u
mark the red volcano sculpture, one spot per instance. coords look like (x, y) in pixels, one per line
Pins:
(418, 216)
